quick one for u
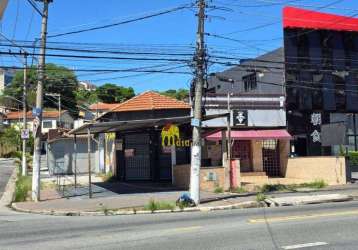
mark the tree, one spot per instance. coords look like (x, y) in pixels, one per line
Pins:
(111, 93)
(86, 97)
(179, 94)
(59, 80)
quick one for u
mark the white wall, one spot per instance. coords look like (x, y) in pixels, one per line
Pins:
(256, 118)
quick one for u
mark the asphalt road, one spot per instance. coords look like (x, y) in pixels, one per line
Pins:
(6, 169)
(329, 226)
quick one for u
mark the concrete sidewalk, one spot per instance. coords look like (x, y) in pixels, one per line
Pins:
(210, 201)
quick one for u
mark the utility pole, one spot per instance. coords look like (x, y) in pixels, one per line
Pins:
(39, 105)
(196, 122)
(59, 110)
(24, 110)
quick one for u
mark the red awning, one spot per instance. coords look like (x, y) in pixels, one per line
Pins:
(278, 134)
(308, 19)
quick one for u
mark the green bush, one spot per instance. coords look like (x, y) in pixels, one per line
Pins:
(260, 197)
(273, 187)
(159, 205)
(23, 186)
(353, 157)
(316, 184)
(218, 190)
(238, 190)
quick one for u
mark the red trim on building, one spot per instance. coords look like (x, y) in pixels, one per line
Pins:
(308, 19)
(279, 134)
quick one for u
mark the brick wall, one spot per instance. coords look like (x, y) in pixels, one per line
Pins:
(331, 169)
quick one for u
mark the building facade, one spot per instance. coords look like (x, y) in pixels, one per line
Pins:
(321, 62)
(51, 120)
(142, 153)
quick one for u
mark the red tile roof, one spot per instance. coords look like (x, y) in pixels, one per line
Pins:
(103, 106)
(150, 100)
(46, 114)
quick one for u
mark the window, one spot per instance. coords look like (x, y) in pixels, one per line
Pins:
(351, 122)
(47, 124)
(250, 82)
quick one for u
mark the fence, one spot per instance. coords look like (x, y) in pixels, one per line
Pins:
(6, 150)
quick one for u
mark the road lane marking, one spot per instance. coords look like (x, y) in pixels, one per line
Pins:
(303, 217)
(184, 229)
(305, 245)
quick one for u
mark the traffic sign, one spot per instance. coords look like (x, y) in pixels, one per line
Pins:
(195, 122)
(36, 112)
(25, 134)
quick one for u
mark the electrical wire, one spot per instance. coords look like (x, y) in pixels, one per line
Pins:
(122, 22)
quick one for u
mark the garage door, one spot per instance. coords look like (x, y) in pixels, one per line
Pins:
(137, 157)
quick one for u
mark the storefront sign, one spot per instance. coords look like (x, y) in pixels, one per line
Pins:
(316, 121)
(171, 136)
(240, 117)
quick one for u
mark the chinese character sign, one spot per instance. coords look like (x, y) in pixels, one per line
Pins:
(316, 121)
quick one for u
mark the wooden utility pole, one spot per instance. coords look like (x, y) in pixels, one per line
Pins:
(196, 122)
(39, 105)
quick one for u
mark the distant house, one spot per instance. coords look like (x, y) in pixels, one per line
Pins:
(87, 85)
(94, 111)
(50, 120)
(100, 108)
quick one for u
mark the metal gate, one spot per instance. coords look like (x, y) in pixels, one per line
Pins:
(137, 157)
(271, 157)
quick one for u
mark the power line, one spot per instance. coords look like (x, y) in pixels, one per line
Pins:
(35, 7)
(16, 18)
(102, 51)
(279, 21)
(122, 22)
(101, 57)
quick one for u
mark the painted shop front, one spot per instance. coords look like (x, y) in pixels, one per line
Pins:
(147, 154)
(153, 136)
(259, 137)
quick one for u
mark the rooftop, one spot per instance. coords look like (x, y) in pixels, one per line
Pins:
(150, 100)
(308, 19)
(103, 106)
(46, 114)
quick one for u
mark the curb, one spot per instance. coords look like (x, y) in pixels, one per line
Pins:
(240, 205)
(8, 194)
(278, 202)
(245, 204)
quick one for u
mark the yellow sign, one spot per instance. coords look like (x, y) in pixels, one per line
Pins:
(171, 136)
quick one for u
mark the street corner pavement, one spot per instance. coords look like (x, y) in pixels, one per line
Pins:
(7, 181)
(308, 199)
